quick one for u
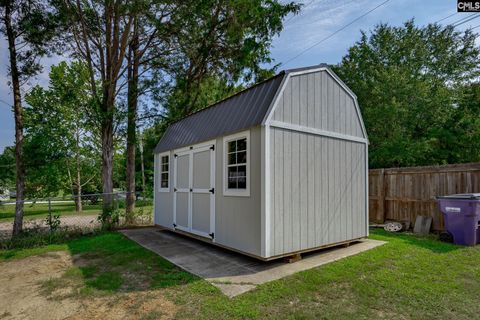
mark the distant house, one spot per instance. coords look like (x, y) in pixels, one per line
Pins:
(277, 169)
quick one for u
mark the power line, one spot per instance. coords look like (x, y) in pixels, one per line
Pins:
(451, 15)
(462, 19)
(334, 33)
(478, 25)
(286, 21)
(323, 15)
(473, 18)
(465, 20)
(8, 104)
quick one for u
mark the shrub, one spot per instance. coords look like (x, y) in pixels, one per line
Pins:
(53, 222)
(37, 237)
(109, 218)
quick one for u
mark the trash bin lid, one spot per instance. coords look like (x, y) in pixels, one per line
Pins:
(464, 196)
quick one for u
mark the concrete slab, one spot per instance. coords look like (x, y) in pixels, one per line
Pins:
(231, 272)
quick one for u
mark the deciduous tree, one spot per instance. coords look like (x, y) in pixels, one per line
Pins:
(99, 34)
(60, 138)
(410, 81)
(29, 28)
(191, 44)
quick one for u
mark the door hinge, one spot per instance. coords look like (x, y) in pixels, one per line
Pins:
(212, 190)
(212, 235)
(212, 147)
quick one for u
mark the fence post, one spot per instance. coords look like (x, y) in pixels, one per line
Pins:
(381, 197)
(116, 201)
(50, 214)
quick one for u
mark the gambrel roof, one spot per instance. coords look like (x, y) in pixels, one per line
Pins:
(243, 110)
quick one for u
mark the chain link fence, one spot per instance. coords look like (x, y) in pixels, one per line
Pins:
(74, 213)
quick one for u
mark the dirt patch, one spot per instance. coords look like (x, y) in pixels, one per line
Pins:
(20, 297)
(23, 295)
(136, 305)
(86, 259)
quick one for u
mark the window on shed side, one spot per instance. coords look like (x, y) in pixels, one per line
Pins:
(164, 170)
(237, 164)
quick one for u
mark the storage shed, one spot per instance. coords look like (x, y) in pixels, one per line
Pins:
(277, 169)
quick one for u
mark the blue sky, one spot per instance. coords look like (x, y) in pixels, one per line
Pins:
(318, 19)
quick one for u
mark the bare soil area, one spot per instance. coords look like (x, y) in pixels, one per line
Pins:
(25, 294)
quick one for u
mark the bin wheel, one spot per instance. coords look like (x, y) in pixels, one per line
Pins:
(446, 237)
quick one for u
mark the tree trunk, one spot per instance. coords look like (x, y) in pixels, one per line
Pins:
(17, 106)
(108, 105)
(133, 66)
(107, 155)
(142, 165)
(110, 59)
(78, 199)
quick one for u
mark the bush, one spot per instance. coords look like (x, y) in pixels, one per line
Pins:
(121, 203)
(144, 203)
(109, 218)
(53, 222)
(35, 237)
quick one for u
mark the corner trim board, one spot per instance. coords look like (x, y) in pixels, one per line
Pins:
(267, 193)
(155, 159)
(367, 231)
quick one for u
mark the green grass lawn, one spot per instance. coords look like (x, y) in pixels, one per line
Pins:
(407, 278)
(40, 210)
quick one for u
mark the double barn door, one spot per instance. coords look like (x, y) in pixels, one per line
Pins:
(194, 190)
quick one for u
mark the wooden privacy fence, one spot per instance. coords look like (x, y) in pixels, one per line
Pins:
(401, 194)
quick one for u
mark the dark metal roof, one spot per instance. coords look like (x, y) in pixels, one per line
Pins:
(241, 111)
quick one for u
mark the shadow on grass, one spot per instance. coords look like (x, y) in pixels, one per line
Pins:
(111, 263)
(429, 242)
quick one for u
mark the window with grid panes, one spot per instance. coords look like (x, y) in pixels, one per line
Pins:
(237, 164)
(164, 164)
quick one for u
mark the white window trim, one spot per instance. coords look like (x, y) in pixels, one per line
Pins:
(236, 192)
(160, 189)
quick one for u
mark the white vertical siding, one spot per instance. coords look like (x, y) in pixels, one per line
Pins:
(316, 100)
(318, 190)
(317, 166)
(237, 219)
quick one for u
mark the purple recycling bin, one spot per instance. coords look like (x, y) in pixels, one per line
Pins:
(462, 217)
